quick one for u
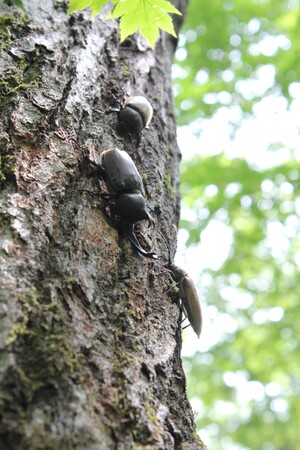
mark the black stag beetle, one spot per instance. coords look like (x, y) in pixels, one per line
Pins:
(126, 197)
(187, 292)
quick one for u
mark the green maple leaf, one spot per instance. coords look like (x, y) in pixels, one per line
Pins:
(18, 3)
(147, 15)
(95, 5)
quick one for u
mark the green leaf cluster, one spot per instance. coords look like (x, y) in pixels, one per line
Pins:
(95, 5)
(18, 3)
(144, 15)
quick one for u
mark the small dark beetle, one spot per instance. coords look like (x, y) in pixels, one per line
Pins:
(189, 297)
(134, 114)
(126, 198)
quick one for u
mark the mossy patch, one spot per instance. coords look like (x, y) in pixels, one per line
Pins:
(12, 26)
(7, 158)
(126, 71)
(46, 337)
(168, 185)
(21, 71)
(151, 412)
(24, 73)
(42, 371)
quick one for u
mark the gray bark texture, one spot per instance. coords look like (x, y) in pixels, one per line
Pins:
(90, 333)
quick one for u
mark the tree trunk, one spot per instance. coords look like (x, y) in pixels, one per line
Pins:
(90, 332)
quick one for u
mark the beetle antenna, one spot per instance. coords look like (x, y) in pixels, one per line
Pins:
(167, 244)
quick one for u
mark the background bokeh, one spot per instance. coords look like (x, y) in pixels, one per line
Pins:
(236, 79)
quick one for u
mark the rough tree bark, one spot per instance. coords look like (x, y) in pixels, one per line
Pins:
(90, 332)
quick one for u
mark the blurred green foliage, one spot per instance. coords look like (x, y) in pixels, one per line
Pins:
(248, 381)
(220, 38)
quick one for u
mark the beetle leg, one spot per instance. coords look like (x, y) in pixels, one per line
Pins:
(104, 195)
(111, 110)
(151, 221)
(173, 285)
(138, 140)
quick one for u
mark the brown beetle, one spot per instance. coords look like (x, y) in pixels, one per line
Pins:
(189, 297)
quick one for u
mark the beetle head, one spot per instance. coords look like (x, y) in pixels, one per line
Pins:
(136, 114)
(131, 207)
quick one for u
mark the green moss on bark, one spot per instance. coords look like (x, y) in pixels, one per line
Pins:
(7, 158)
(168, 185)
(22, 70)
(38, 383)
(13, 25)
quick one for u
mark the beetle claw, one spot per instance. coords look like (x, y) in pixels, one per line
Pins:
(129, 231)
(151, 221)
(105, 195)
(111, 110)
